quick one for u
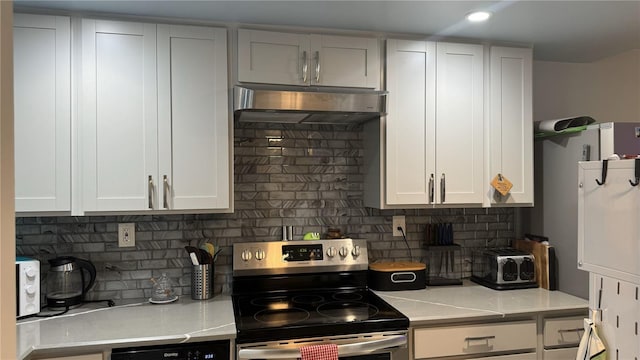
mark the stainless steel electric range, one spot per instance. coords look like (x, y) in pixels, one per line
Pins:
(289, 294)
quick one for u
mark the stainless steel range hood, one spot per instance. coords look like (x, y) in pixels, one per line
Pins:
(309, 105)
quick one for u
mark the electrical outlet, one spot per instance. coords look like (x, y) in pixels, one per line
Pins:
(126, 235)
(398, 221)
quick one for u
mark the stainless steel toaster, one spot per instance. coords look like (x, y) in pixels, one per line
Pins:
(504, 268)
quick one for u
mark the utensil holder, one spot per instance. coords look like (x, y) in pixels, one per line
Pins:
(202, 282)
(444, 265)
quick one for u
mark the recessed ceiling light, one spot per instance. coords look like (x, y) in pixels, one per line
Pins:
(479, 16)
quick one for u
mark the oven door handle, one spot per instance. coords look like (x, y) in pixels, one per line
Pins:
(358, 348)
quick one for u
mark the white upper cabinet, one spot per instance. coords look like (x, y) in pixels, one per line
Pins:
(345, 61)
(42, 95)
(510, 136)
(193, 117)
(410, 123)
(154, 138)
(459, 124)
(119, 115)
(302, 59)
(434, 127)
(272, 57)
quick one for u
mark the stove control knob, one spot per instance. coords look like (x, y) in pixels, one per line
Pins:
(331, 252)
(355, 251)
(246, 255)
(344, 251)
(260, 254)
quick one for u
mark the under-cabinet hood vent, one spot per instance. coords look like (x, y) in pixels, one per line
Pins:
(308, 106)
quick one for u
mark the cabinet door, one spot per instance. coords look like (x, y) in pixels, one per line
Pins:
(510, 124)
(608, 229)
(119, 115)
(459, 124)
(193, 117)
(96, 356)
(42, 90)
(479, 339)
(410, 139)
(273, 58)
(345, 61)
(560, 354)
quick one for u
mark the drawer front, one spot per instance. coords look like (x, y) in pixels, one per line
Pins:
(563, 332)
(474, 339)
(527, 356)
(560, 354)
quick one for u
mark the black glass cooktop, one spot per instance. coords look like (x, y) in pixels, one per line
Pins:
(291, 315)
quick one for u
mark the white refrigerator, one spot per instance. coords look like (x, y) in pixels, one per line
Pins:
(609, 249)
(555, 211)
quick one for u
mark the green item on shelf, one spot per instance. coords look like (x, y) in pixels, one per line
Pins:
(311, 236)
(543, 135)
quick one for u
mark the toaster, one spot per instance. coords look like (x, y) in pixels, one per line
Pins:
(504, 268)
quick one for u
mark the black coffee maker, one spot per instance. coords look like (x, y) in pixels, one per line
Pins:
(68, 280)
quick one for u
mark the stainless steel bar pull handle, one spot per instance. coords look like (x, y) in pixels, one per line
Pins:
(431, 188)
(317, 66)
(571, 330)
(305, 67)
(480, 338)
(357, 348)
(442, 188)
(150, 189)
(165, 201)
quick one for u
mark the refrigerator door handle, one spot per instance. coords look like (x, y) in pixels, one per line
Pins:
(604, 172)
(637, 173)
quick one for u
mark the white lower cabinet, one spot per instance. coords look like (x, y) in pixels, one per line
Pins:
(560, 354)
(478, 339)
(155, 119)
(561, 337)
(563, 332)
(545, 336)
(97, 356)
(524, 356)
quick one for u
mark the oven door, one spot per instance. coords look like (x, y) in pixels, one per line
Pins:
(376, 346)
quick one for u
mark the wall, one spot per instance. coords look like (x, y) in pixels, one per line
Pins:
(617, 87)
(607, 90)
(7, 229)
(308, 176)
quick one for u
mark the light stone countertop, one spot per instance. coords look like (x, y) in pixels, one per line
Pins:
(471, 301)
(99, 329)
(96, 330)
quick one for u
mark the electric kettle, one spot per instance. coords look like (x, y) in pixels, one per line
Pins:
(67, 282)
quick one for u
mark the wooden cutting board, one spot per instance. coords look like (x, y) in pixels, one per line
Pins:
(544, 262)
(397, 266)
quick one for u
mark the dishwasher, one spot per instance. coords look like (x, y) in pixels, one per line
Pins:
(209, 350)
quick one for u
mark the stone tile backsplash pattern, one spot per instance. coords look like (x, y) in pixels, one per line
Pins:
(308, 176)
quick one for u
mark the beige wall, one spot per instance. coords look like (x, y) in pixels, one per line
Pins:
(617, 87)
(607, 90)
(7, 216)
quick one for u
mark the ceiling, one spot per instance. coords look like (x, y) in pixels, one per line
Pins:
(566, 31)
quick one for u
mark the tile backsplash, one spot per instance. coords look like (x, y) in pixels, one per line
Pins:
(307, 176)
